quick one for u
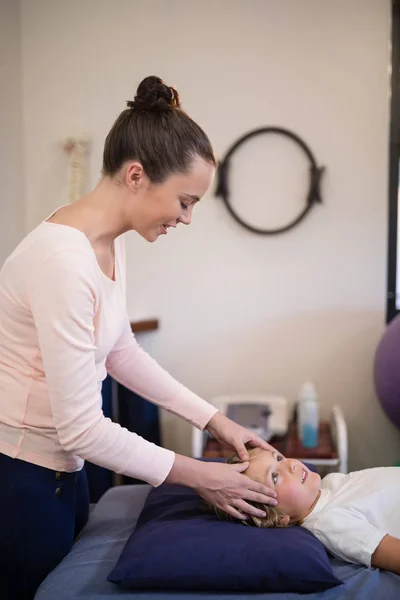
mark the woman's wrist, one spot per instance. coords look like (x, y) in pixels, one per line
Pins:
(215, 422)
(185, 471)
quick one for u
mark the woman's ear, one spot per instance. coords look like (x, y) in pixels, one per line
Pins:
(134, 176)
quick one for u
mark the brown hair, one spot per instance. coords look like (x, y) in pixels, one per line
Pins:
(155, 131)
(275, 517)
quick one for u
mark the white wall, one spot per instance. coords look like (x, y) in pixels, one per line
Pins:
(240, 312)
(11, 168)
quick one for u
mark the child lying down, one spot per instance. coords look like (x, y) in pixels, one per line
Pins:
(355, 516)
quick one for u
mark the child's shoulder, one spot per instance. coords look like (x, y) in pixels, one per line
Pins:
(336, 480)
(376, 474)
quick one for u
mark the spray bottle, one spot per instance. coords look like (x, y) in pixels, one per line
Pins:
(308, 416)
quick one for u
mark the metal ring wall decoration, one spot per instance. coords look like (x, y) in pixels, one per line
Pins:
(313, 194)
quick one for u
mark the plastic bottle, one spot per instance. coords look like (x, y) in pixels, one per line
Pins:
(308, 416)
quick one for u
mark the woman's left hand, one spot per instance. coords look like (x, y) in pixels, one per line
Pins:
(234, 435)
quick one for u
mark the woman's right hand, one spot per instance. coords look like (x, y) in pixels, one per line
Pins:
(223, 485)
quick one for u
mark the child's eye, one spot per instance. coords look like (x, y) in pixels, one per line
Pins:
(183, 205)
(274, 478)
(279, 458)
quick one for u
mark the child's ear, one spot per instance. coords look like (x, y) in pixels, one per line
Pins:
(284, 520)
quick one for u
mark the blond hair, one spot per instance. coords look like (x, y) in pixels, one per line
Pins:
(275, 517)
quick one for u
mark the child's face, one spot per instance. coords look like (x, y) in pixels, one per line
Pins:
(297, 487)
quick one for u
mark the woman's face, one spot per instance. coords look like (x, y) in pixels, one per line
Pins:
(166, 204)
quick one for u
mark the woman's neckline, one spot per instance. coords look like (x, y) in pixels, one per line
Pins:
(71, 227)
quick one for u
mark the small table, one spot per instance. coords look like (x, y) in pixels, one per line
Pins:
(325, 454)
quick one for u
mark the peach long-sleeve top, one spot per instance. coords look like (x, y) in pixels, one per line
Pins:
(63, 326)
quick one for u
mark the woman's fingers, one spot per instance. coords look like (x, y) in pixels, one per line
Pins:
(264, 493)
(240, 467)
(260, 498)
(247, 509)
(255, 491)
(258, 442)
(228, 488)
(248, 438)
(241, 450)
(230, 510)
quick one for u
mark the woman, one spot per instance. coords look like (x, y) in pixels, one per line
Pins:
(63, 326)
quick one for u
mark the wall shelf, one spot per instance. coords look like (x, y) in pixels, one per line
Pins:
(144, 325)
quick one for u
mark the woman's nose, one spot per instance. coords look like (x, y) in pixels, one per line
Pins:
(185, 219)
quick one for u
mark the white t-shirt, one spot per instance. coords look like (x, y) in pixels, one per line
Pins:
(356, 511)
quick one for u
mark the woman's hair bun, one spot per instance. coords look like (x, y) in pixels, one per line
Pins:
(153, 94)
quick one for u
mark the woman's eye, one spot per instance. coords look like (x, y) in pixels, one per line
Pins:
(183, 205)
(279, 458)
(274, 478)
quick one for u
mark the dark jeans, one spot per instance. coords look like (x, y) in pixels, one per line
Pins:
(41, 512)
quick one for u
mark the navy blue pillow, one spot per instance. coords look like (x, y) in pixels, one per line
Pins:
(179, 545)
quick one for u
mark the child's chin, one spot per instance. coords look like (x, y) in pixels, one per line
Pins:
(312, 477)
(315, 477)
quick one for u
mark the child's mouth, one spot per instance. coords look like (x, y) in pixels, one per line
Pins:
(304, 476)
